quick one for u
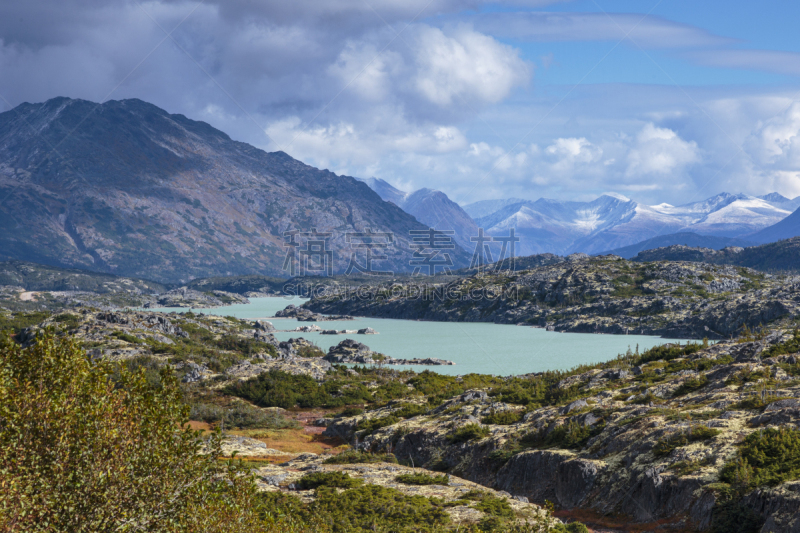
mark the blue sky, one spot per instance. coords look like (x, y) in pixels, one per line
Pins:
(671, 101)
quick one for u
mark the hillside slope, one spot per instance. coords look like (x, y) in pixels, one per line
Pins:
(126, 188)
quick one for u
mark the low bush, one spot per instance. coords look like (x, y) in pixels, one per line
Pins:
(790, 346)
(766, 457)
(502, 418)
(665, 446)
(368, 425)
(410, 410)
(468, 432)
(494, 506)
(240, 416)
(571, 435)
(339, 480)
(419, 478)
(359, 457)
(350, 411)
(691, 385)
(127, 337)
(372, 508)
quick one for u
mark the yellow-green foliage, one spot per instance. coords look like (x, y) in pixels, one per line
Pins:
(339, 480)
(82, 452)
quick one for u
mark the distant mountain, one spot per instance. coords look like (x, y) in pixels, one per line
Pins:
(785, 229)
(775, 256)
(431, 207)
(487, 207)
(685, 239)
(611, 222)
(124, 187)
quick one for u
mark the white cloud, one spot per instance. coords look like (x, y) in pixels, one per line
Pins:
(465, 66)
(660, 151)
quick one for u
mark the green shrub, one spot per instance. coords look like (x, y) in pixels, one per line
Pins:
(368, 425)
(790, 346)
(80, 451)
(468, 432)
(690, 385)
(281, 389)
(502, 418)
(494, 506)
(240, 416)
(372, 508)
(572, 527)
(19, 321)
(67, 320)
(410, 410)
(127, 337)
(339, 480)
(358, 457)
(766, 457)
(665, 446)
(418, 478)
(571, 435)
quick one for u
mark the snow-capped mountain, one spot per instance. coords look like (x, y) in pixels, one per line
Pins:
(431, 207)
(611, 222)
(487, 207)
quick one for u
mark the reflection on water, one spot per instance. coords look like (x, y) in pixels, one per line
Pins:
(475, 347)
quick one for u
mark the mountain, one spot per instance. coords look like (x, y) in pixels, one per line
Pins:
(685, 239)
(487, 207)
(553, 226)
(431, 207)
(611, 222)
(34, 277)
(126, 188)
(774, 256)
(785, 229)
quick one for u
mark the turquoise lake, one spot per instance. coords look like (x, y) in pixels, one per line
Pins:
(483, 348)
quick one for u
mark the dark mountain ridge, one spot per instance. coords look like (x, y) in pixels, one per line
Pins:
(124, 187)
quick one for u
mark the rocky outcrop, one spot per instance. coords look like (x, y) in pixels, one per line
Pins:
(305, 315)
(353, 352)
(186, 297)
(591, 295)
(622, 416)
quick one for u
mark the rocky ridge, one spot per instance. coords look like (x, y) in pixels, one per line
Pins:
(591, 295)
(648, 441)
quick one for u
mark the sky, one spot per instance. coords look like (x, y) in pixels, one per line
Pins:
(656, 100)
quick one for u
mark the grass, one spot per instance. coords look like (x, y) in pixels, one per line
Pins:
(502, 418)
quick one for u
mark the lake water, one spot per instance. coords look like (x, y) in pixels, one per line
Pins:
(475, 347)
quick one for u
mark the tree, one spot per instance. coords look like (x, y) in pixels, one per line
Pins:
(87, 446)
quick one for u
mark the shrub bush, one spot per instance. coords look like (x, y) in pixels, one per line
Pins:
(339, 480)
(418, 478)
(368, 425)
(240, 416)
(691, 385)
(82, 452)
(571, 435)
(664, 447)
(502, 418)
(410, 410)
(766, 457)
(358, 457)
(468, 432)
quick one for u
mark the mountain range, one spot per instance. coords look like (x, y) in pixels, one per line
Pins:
(614, 222)
(124, 187)
(431, 207)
